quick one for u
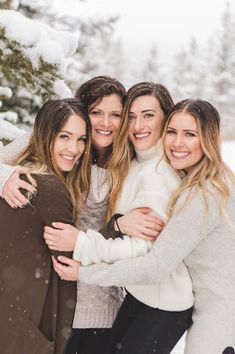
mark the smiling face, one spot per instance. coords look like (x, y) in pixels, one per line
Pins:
(69, 143)
(182, 142)
(105, 118)
(145, 122)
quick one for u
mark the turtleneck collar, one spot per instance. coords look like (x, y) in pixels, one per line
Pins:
(144, 155)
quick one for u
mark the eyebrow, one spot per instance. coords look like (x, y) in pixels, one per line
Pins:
(66, 131)
(184, 130)
(144, 111)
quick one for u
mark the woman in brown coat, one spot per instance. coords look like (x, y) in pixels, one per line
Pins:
(36, 306)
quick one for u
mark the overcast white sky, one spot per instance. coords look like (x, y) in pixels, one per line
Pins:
(168, 23)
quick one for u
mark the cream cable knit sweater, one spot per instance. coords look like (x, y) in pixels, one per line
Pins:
(149, 183)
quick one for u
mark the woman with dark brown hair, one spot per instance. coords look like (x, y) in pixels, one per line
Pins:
(37, 307)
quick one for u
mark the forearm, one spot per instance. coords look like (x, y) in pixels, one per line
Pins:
(91, 247)
(8, 153)
(180, 236)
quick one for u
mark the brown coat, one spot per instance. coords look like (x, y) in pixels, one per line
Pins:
(36, 307)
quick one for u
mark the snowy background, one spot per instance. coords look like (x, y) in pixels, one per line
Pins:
(48, 48)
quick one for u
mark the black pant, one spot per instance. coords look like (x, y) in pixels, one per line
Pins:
(89, 341)
(141, 329)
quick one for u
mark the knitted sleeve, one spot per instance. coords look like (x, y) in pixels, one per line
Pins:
(9, 152)
(53, 203)
(154, 190)
(183, 232)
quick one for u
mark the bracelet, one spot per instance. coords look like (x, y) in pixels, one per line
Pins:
(118, 227)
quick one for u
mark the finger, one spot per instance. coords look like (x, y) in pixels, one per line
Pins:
(25, 185)
(14, 200)
(144, 210)
(51, 231)
(66, 260)
(151, 232)
(154, 219)
(9, 202)
(154, 227)
(21, 199)
(22, 170)
(60, 225)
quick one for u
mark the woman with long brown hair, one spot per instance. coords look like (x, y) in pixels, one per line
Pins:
(36, 306)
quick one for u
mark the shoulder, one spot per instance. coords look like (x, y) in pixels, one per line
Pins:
(52, 199)
(51, 187)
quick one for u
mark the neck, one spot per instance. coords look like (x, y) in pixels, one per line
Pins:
(148, 154)
(101, 155)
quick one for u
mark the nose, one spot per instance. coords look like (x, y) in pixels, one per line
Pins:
(106, 120)
(178, 141)
(73, 147)
(139, 123)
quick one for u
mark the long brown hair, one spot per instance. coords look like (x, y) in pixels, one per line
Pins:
(123, 151)
(38, 155)
(211, 167)
(91, 92)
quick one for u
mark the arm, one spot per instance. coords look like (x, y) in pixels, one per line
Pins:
(53, 202)
(180, 237)
(10, 183)
(154, 190)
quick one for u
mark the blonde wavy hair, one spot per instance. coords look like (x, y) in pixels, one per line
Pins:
(123, 151)
(38, 154)
(211, 167)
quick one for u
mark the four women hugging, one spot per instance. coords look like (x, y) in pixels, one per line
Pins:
(136, 188)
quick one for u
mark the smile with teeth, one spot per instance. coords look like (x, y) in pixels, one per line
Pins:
(104, 132)
(179, 154)
(141, 135)
(67, 157)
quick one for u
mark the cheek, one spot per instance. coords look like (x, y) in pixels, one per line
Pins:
(116, 124)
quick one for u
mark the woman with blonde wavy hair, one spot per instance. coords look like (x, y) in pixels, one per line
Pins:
(200, 231)
(36, 306)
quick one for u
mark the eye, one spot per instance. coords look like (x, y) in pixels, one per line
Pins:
(148, 115)
(170, 131)
(95, 113)
(63, 136)
(190, 134)
(83, 139)
(116, 115)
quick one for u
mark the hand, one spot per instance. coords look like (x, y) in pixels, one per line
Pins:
(11, 193)
(69, 270)
(138, 223)
(60, 237)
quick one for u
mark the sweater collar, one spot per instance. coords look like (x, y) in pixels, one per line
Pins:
(153, 152)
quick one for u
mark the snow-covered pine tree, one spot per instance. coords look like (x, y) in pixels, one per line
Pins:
(32, 63)
(221, 80)
(188, 72)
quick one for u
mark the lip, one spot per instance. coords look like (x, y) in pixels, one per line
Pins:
(180, 154)
(103, 132)
(140, 136)
(68, 157)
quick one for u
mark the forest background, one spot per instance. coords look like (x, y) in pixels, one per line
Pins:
(45, 52)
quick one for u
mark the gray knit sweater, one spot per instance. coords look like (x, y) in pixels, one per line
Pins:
(207, 246)
(96, 306)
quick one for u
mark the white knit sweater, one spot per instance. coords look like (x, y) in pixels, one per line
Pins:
(149, 184)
